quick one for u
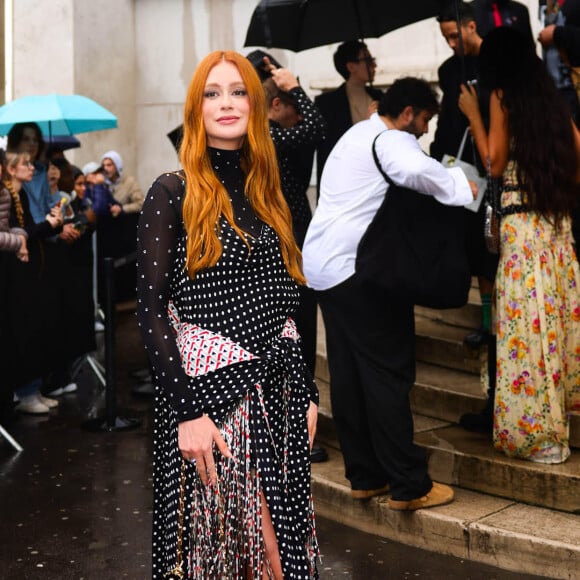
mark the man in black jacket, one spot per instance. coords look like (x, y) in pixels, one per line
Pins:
(560, 40)
(462, 68)
(353, 101)
(562, 35)
(490, 14)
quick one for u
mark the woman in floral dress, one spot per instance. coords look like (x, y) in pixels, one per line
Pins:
(534, 145)
(235, 407)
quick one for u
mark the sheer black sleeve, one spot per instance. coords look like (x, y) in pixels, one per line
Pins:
(160, 224)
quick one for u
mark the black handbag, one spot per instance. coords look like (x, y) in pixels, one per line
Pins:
(414, 248)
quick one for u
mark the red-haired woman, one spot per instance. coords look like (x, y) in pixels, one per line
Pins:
(235, 407)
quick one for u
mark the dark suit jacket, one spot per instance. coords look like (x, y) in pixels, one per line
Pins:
(336, 112)
(513, 14)
(567, 37)
(451, 122)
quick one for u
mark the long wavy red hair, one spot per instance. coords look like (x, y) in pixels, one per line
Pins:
(206, 199)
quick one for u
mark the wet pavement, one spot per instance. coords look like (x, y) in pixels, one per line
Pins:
(76, 504)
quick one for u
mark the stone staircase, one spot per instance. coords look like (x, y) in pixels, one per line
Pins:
(509, 513)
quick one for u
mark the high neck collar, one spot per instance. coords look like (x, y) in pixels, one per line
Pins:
(228, 154)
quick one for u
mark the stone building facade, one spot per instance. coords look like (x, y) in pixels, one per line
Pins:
(136, 57)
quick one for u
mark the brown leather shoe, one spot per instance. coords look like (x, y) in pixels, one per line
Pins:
(368, 493)
(439, 495)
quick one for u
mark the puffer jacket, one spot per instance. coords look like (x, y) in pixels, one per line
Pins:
(10, 240)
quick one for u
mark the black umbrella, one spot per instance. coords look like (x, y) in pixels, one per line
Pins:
(301, 24)
(62, 142)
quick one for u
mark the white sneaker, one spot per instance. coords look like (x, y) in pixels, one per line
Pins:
(70, 388)
(32, 405)
(50, 403)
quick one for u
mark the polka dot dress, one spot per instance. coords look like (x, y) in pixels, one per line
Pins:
(295, 148)
(258, 400)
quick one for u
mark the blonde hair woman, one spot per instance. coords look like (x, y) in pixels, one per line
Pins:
(30, 292)
(235, 407)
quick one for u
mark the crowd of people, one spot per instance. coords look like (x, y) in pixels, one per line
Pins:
(231, 264)
(50, 211)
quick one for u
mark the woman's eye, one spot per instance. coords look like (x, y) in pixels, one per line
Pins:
(210, 94)
(240, 92)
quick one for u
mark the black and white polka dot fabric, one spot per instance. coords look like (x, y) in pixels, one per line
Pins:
(295, 149)
(258, 398)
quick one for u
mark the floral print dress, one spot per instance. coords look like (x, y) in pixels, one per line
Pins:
(538, 334)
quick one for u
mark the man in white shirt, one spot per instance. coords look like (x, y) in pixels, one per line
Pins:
(370, 336)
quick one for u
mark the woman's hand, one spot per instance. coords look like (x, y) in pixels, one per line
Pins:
(55, 217)
(22, 253)
(282, 77)
(116, 210)
(311, 419)
(195, 439)
(468, 102)
(69, 234)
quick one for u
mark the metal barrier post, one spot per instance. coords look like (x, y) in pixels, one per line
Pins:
(111, 421)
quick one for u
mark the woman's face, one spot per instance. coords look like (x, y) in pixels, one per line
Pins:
(29, 143)
(79, 186)
(110, 169)
(22, 171)
(226, 107)
(53, 174)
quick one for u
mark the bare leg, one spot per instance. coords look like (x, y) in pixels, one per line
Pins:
(485, 285)
(273, 566)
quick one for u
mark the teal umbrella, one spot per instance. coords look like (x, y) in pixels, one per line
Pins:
(57, 114)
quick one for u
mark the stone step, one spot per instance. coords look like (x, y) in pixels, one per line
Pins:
(478, 527)
(469, 461)
(439, 393)
(446, 394)
(442, 344)
(467, 317)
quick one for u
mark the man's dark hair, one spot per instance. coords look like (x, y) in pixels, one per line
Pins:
(272, 91)
(408, 91)
(347, 52)
(450, 9)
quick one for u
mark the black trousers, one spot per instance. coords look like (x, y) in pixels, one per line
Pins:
(306, 323)
(371, 357)
(306, 315)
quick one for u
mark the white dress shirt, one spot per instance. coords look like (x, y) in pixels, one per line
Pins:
(352, 189)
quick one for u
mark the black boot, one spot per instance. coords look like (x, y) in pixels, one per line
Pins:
(482, 422)
(318, 454)
(477, 338)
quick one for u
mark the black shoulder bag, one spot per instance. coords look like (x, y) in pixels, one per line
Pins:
(414, 248)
